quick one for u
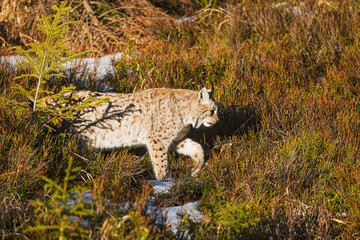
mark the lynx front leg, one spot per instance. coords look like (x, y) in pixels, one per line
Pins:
(159, 158)
(194, 150)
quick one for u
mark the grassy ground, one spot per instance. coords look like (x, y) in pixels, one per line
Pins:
(283, 163)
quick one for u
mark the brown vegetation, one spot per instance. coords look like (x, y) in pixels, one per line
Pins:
(104, 26)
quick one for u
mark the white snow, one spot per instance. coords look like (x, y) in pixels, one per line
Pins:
(183, 20)
(294, 10)
(98, 69)
(161, 187)
(11, 60)
(173, 216)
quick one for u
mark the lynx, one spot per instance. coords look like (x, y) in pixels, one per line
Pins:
(158, 119)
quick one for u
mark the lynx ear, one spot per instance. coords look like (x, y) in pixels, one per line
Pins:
(203, 95)
(211, 91)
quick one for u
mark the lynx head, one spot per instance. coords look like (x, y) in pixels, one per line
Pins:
(207, 109)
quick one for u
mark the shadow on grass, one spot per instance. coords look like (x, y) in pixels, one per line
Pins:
(234, 121)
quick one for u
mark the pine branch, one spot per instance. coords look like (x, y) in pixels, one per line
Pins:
(46, 61)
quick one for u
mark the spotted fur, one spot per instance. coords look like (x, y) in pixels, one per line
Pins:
(158, 119)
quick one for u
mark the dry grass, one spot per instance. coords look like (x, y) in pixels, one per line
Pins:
(105, 26)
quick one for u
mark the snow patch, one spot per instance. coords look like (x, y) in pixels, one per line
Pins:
(175, 215)
(293, 10)
(162, 186)
(171, 216)
(11, 61)
(184, 20)
(99, 69)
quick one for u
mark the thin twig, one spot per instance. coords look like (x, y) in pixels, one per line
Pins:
(91, 12)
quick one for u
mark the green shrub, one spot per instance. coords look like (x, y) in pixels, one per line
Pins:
(53, 217)
(46, 61)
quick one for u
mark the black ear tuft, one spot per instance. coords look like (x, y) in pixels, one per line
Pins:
(211, 91)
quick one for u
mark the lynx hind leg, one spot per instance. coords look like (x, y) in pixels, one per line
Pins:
(159, 158)
(194, 150)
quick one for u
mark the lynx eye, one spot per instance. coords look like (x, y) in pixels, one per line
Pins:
(212, 112)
